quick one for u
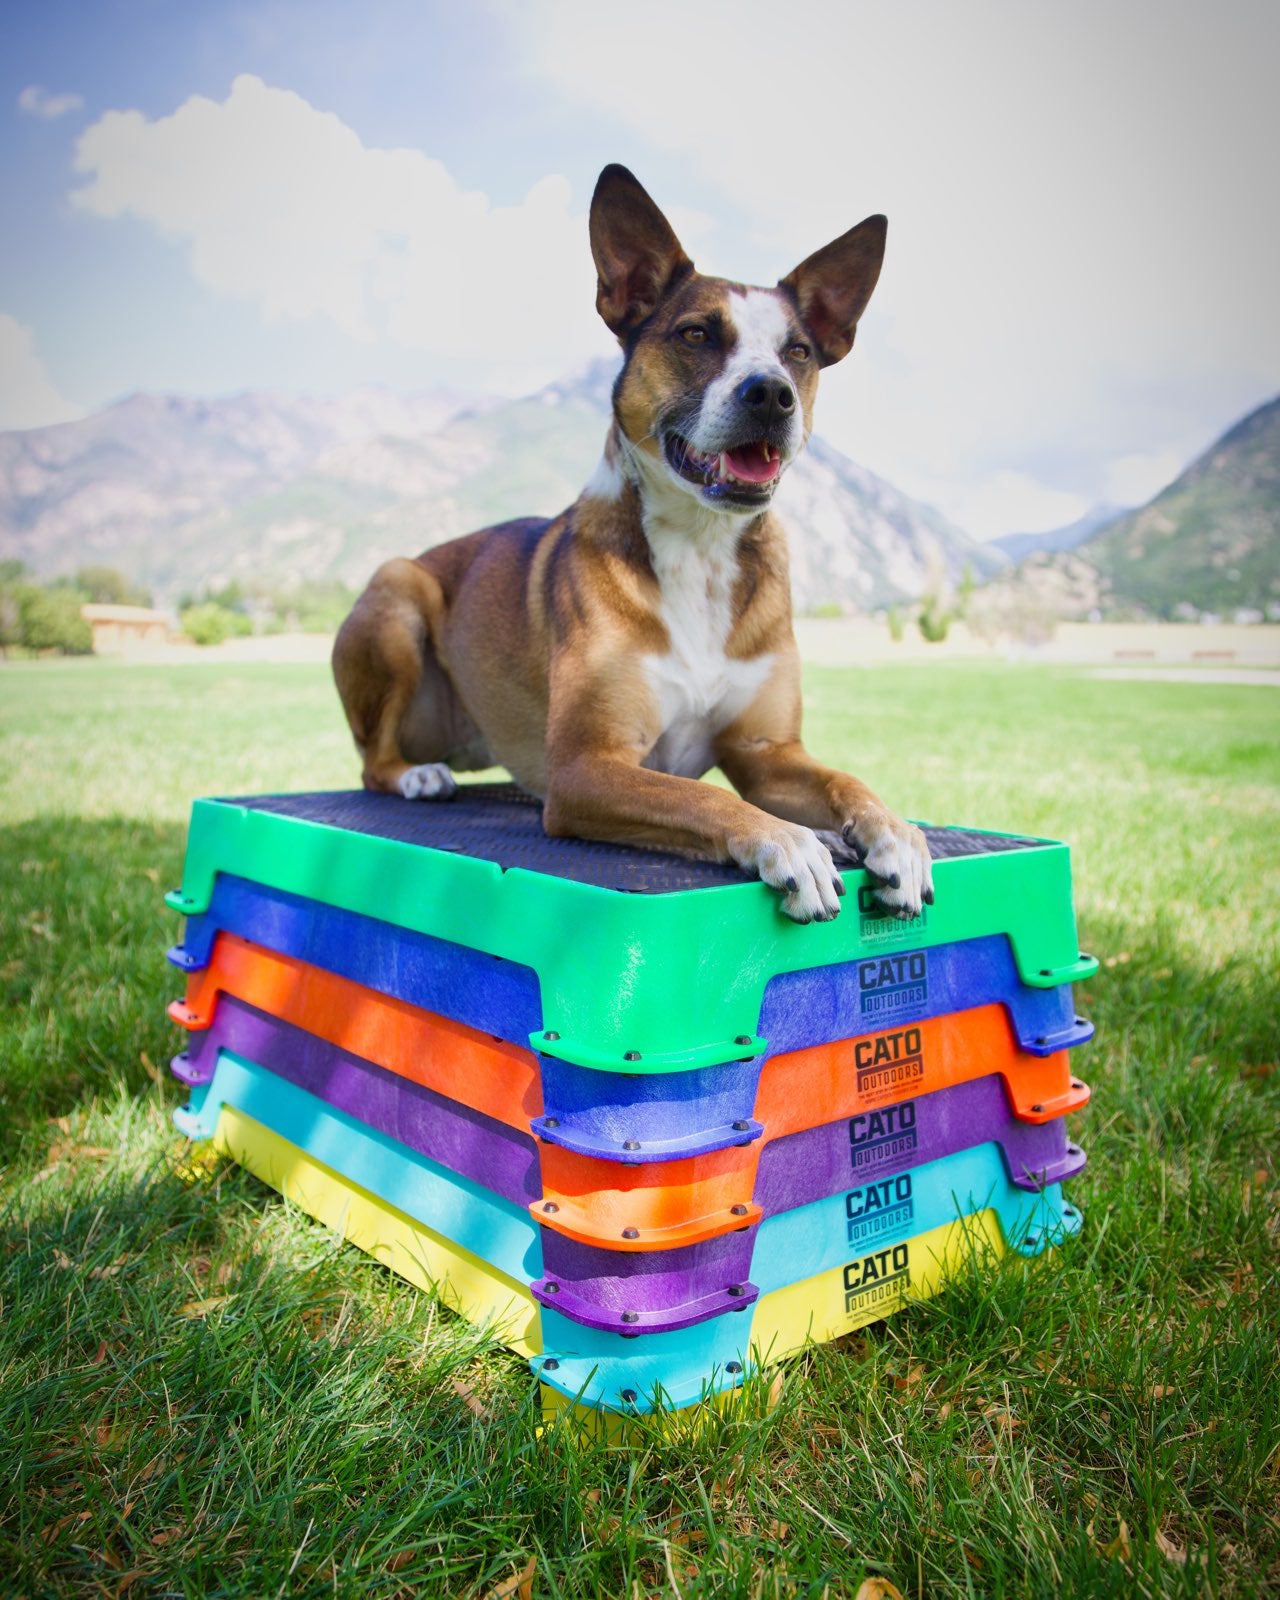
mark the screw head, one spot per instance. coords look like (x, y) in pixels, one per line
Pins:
(631, 1316)
(551, 1365)
(1076, 1084)
(737, 1211)
(631, 1055)
(550, 1207)
(743, 1038)
(631, 1144)
(736, 1290)
(1037, 1109)
(631, 1233)
(551, 1122)
(741, 1127)
(551, 1288)
(550, 1036)
(733, 1366)
(629, 1396)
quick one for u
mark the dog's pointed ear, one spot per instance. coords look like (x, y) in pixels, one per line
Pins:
(833, 286)
(636, 253)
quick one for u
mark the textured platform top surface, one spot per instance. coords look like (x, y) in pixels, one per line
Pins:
(500, 823)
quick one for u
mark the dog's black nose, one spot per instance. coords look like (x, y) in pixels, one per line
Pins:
(767, 398)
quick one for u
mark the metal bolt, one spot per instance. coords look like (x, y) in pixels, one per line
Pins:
(631, 1316)
(733, 1366)
(551, 1365)
(550, 1207)
(551, 1288)
(551, 1122)
(1076, 1084)
(631, 1233)
(1037, 1109)
(631, 1144)
(741, 1127)
(1080, 1022)
(1042, 1040)
(628, 1396)
(550, 1036)
(743, 1038)
(736, 1290)
(631, 1055)
(737, 1211)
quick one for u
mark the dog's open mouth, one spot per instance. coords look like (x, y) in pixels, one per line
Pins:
(745, 474)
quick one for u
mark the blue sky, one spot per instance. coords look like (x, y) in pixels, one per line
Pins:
(204, 196)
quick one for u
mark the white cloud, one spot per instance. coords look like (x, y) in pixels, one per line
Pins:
(38, 102)
(284, 206)
(1132, 480)
(28, 398)
(1012, 502)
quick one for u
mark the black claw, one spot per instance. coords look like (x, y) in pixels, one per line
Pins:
(893, 881)
(928, 897)
(838, 885)
(792, 885)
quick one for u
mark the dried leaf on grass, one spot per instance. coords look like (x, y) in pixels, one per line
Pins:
(153, 1072)
(775, 1389)
(878, 1589)
(1173, 1551)
(471, 1399)
(202, 1308)
(1119, 1549)
(519, 1584)
(401, 1559)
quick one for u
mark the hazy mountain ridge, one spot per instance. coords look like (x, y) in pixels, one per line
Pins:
(1018, 546)
(1211, 540)
(183, 494)
(1208, 544)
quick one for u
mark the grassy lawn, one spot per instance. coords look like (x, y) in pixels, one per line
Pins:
(203, 1393)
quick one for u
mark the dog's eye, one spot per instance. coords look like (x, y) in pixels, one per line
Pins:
(798, 352)
(695, 335)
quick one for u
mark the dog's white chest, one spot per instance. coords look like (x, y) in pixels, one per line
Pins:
(698, 689)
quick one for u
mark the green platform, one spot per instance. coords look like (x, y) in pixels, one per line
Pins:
(676, 976)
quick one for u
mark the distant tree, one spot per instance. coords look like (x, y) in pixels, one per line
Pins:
(894, 618)
(934, 619)
(108, 586)
(11, 571)
(10, 617)
(50, 620)
(210, 623)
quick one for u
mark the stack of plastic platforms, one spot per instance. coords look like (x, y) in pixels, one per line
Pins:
(612, 1103)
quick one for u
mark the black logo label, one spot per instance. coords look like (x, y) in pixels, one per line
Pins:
(878, 1209)
(878, 1137)
(893, 983)
(878, 1278)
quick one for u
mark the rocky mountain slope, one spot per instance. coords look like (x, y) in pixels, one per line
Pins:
(1211, 540)
(188, 494)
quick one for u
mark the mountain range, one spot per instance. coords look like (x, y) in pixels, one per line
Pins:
(187, 495)
(1208, 544)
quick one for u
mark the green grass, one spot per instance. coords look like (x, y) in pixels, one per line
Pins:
(202, 1392)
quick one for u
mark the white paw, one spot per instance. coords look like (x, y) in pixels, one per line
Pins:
(433, 781)
(794, 860)
(896, 853)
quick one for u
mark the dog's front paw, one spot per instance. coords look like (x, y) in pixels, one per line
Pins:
(794, 860)
(896, 853)
(432, 781)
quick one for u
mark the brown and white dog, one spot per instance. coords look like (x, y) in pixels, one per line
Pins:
(610, 657)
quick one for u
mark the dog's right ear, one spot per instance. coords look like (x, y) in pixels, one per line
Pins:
(637, 255)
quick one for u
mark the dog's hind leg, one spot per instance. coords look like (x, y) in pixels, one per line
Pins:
(403, 711)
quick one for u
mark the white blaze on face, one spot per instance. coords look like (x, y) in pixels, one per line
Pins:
(762, 330)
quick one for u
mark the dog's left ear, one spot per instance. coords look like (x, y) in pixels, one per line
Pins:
(636, 252)
(832, 287)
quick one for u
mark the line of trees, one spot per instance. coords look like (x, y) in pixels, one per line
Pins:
(45, 617)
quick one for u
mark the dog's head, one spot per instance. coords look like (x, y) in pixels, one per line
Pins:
(718, 385)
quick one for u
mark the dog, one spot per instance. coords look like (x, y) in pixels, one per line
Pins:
(611, 656)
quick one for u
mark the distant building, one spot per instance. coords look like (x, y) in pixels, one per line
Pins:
(120, 627)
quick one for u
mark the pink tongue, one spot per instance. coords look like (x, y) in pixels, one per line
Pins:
(750, 465)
